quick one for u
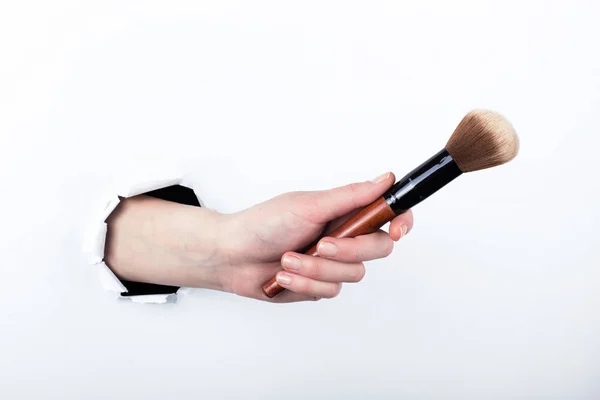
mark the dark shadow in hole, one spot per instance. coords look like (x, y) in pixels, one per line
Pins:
(178, 194)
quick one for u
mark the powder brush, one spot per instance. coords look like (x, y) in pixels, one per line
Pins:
(483, 139)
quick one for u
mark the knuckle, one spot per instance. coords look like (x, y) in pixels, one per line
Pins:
(353, 187)
(314, 268)
(389, 246)
(334, 291)
(302, 286)
(355, 253)
(358, 273)
(311, 204)
(353, 192)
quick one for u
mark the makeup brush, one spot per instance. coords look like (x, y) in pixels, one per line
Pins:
(483, 139)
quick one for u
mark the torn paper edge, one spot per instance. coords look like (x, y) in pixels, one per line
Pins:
(153, 298)
(148, 186)
(109, 280)
(95, 236)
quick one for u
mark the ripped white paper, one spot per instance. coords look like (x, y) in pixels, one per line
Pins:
(95, 236)
(94, 241)
(108, 279)
(151, 298)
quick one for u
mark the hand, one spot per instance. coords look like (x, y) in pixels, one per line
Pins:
(155, 241)
(262, 239)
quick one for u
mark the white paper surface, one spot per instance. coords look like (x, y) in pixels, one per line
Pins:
(494, 294)
(151, 298)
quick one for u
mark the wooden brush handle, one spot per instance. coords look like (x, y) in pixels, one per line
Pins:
(367, 220)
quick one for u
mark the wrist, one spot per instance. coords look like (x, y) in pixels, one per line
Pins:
(156, 241)
(207, 251)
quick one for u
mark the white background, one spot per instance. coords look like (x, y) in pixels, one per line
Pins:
(494, 294)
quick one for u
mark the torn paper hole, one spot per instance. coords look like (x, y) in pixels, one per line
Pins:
(95, 236)
(94, 241)
(108, 279)
(145, 185)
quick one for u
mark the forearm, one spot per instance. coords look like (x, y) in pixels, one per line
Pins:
(156, 241)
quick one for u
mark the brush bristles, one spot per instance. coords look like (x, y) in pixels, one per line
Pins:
(483, 139)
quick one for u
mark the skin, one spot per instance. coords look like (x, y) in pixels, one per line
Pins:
(156, 241)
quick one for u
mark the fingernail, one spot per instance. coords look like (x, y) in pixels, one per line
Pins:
(327, 249)
(284, 279)
(291, 262)
(381, 178)
(404, 229)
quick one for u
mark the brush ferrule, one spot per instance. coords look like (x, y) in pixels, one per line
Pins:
(422, 182)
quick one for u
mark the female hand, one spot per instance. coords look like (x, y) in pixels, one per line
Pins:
(156, 241)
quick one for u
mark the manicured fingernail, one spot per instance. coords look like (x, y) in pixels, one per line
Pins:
(327, 249)
(404, 229)
(284, 279)
(291, 262)
(381, 178)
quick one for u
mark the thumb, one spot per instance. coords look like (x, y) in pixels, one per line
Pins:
(337, 202)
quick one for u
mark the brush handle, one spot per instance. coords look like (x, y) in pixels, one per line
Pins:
(409, 191)
(367, 220)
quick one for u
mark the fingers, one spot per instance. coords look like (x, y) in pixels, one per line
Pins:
(308, 287)
(322, 269)
(361, 248)
(340, 260)
(334, 203)
(401, 225)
